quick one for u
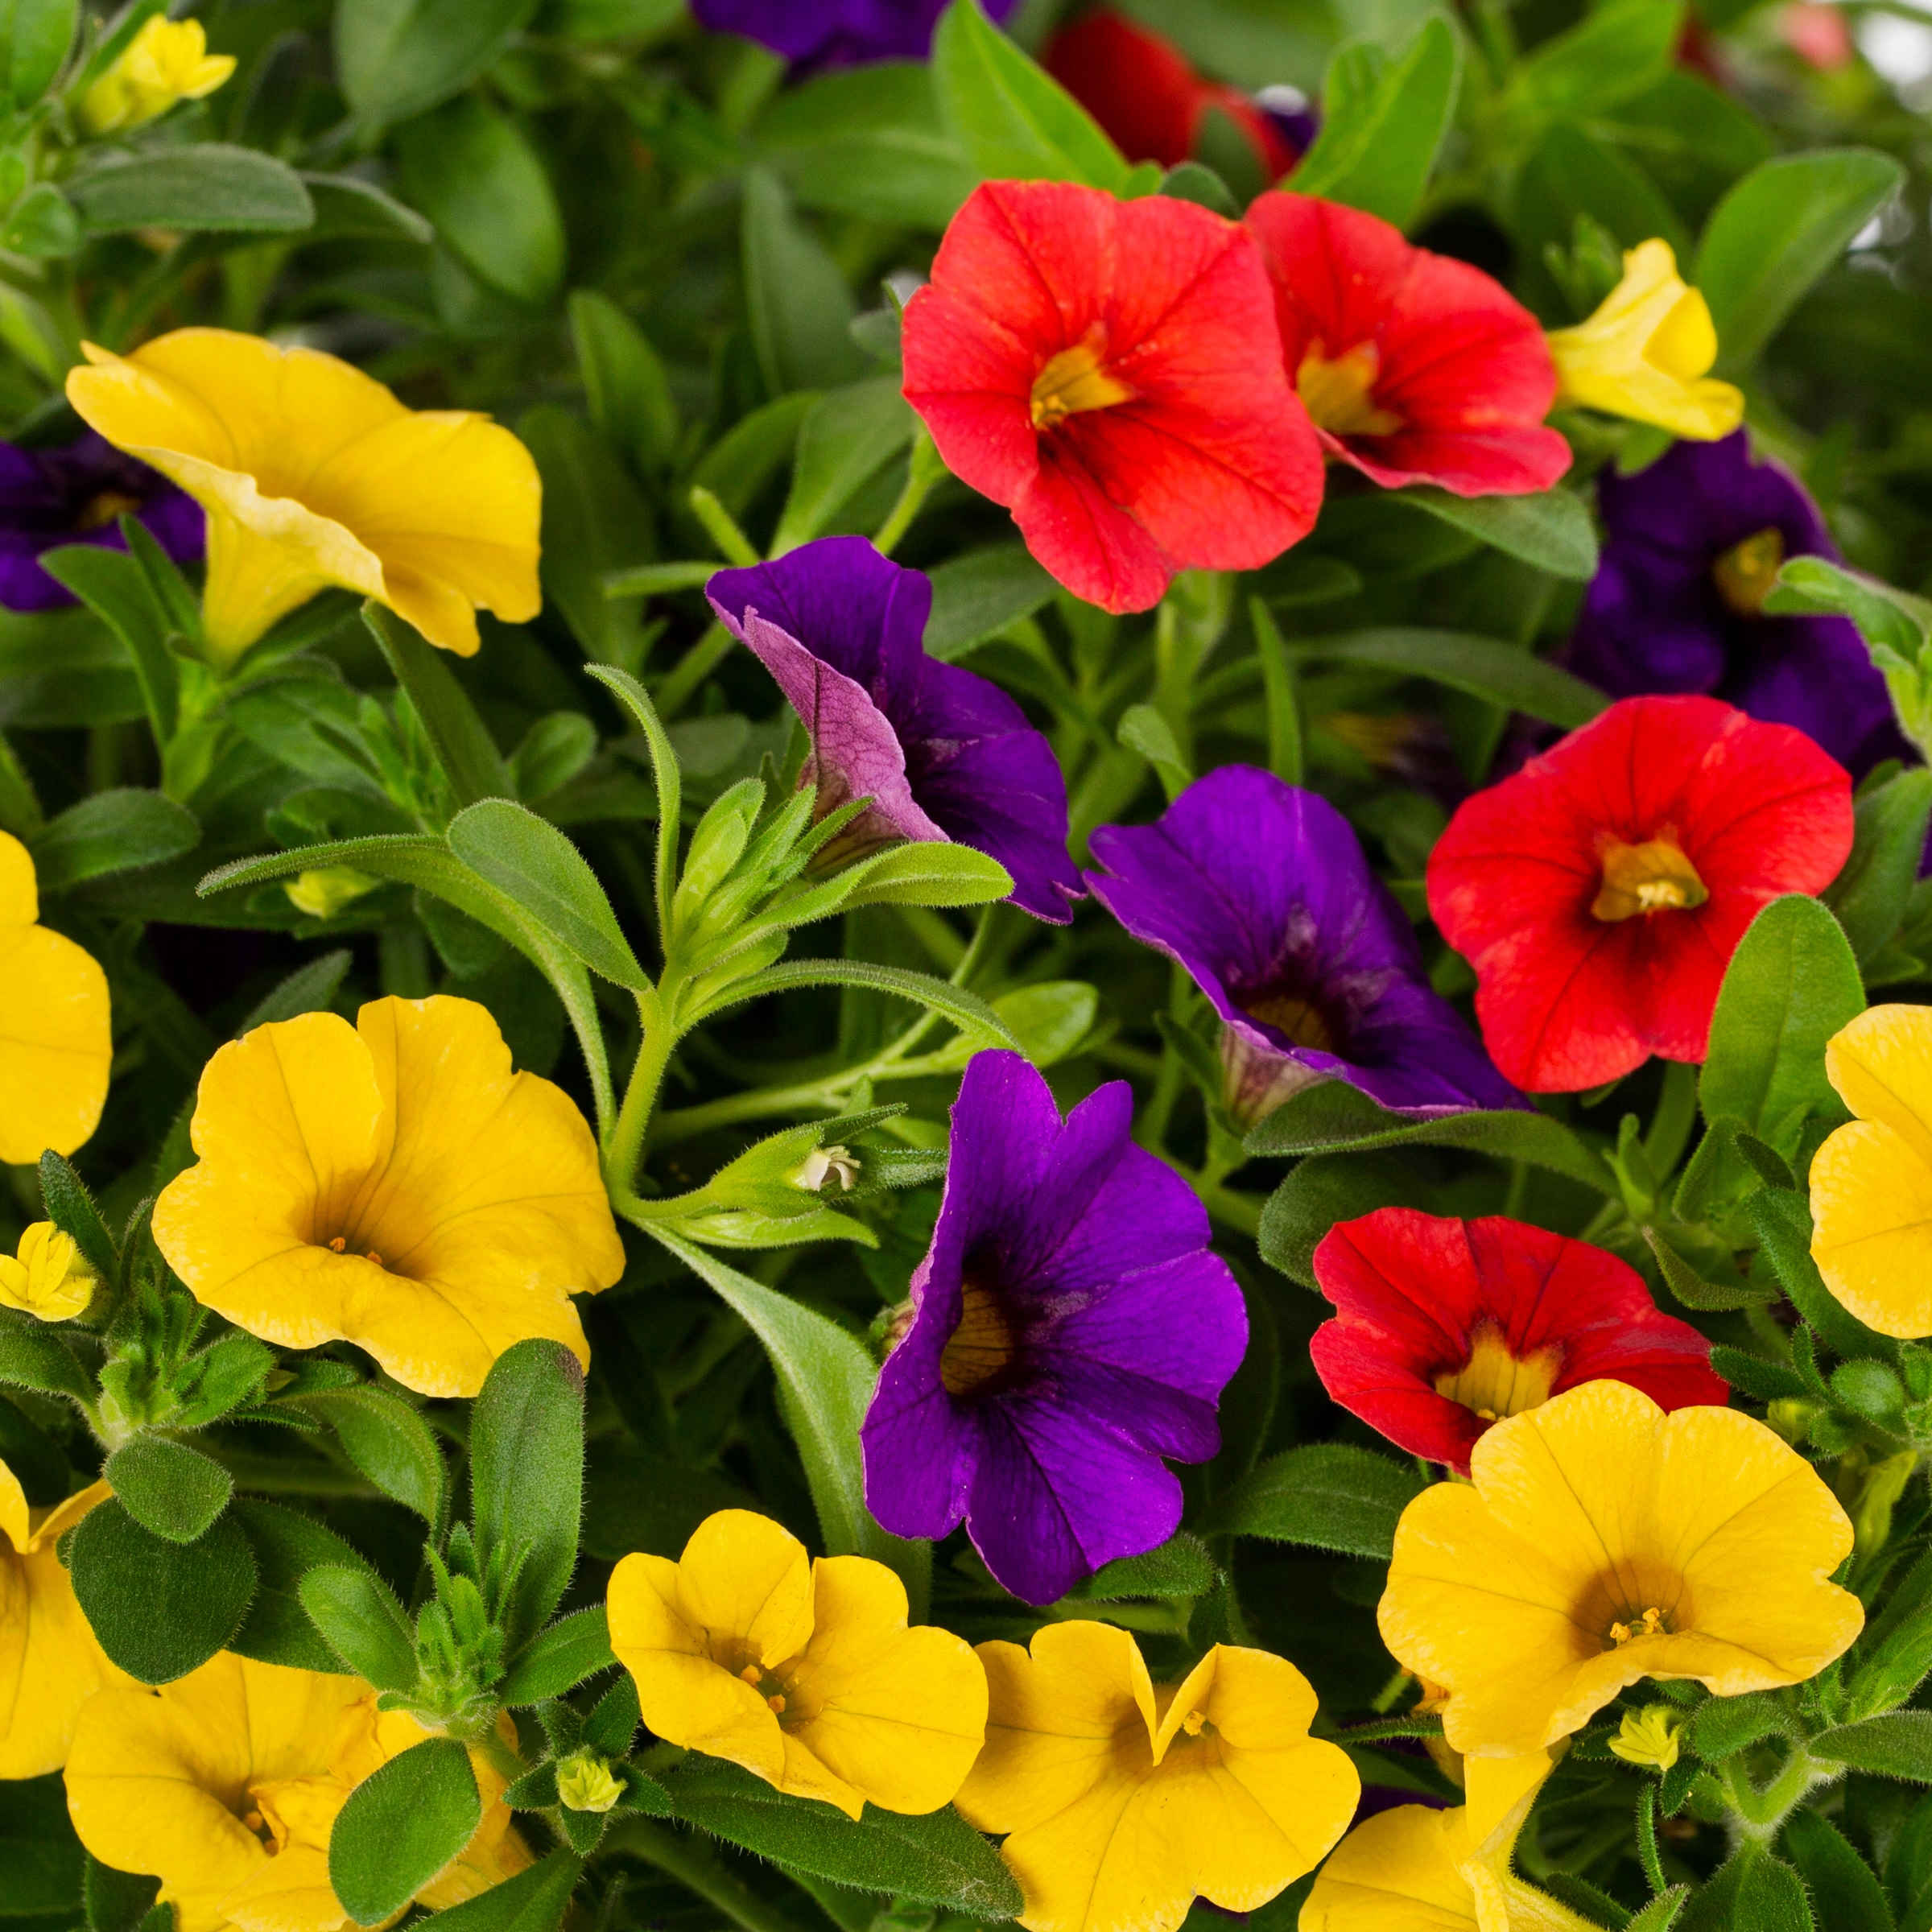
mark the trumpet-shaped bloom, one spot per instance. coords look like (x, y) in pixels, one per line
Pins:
(1871, 1181)
(942, 754)
(45, 1276)
(1414, 367)
(312, 473)
(1444, 1327)
(50, 1663)
(56, 1042)
(391, 1184)
(1112, 373)
(1071, 1328)
(1601, 1541)
(1260, 890)
(803, 1672)
(225, 1784)
(1646, 352)
(166, 61)
(813, 34)
(1125, 1801)
(1600, 892)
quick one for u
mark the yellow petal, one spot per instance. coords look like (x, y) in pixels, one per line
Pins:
(56, 1044)
(1396, 1871)
(746, 1581)
(1881, 1065)
(13, 1510)
(1872, 1207)
(47, 1277)
(1685, 344)
(19, 890)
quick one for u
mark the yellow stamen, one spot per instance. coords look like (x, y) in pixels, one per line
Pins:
(1496, 1383)
(1193, 1723)
(1651, 1623)
(1654, 877)
(984, 1346)
(1074, 379)
(778, 1705)
(1339, 395)
(751, 1674)
(375, 1257)
(339, 1243)
(1746, 572)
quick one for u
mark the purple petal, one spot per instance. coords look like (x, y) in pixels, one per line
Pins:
(834, 33)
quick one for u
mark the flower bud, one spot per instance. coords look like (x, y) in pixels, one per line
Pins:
(584, 1783)
(323, 891)
(166, 61)
(46, 1277)
(1648, 1736)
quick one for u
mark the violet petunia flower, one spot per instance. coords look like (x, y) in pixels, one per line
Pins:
(814, 34)
(1691, 545)
(75, 493)
(1071, 1327)
(1260, 889)
(942, 754)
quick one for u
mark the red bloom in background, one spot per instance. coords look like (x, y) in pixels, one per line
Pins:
(1416, 368)
(1110, 371)
(1141, 89)
(1600, 892)
(1444, 1327)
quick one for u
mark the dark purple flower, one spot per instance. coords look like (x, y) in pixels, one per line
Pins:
(1691, 546)
(941, 753)
(1071, 1328)
(835, 33)
(77, 494)
(1260, 890)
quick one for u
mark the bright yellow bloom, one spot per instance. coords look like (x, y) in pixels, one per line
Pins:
(56, 1041)
(1871, 1181)
(225, 1784)
(1600, 1541)
(803, 1672)
(1126, 1800)
(312, 473)
(166, 61)
(1652, 1735)
(324, 890)
(1646, 352)
(50, 1662)
(45, 1277)
(391, 1184)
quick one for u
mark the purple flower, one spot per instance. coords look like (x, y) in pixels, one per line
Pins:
(1260, 890)
(835, 33)
(1071, 1328)
(1691, 546)
(941, 753)
(75, 494)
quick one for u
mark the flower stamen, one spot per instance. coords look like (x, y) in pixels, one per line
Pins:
(1651, 1623)
(1744, 574)
(1074, 379)
(1339, 393)
(1654, 877)
(339, 1245)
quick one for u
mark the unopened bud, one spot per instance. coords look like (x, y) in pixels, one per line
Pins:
(584, 1783)
(1648, 1736)
(46, 1276)
(323, 891)
(822, 1164)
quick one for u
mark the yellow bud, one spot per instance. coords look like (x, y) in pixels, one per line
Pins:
(46, 1276)
(323, 892)
(166, 61)
(1648, 1736)
(584, 1784)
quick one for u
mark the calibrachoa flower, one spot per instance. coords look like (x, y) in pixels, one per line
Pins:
(58, 1042)
(312, 473)
(225, 1784)
(1871, 1181)
(76, 492)
(1600, 892)
(942, 753)
(1647, 350)
(1124, 1802)
(1601, 1541)
(166, 61)
(1692, 543)
(1111, 372)
(45, 1276)
(391, 1184)
(1444, 1327)
(836, 33)
(1070, 1328)
(50, 1663)
(803, 1672)
(1260, 890)
(1415, 368)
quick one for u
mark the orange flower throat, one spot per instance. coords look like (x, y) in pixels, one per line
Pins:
(1076, 379)
(1340, 395)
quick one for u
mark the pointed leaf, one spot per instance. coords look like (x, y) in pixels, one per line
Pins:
(400, 1826)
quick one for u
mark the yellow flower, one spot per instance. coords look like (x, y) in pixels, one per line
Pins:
(1645, 353)
(225, 1784)
(391, 1184)
(323, 891)
(56, 1041)
(1871, 1181)
(1125, 1801)
(1649, 1736)
(50, 1662)
(312, 474)
(166, 61)
(803, 1672)
(1601, 1541)
(46, 1276)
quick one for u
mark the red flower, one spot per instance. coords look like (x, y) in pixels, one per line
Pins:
(1444, 1327)
(1416, 369)
(1600, 893)
(1139, 86)
(1109, 370)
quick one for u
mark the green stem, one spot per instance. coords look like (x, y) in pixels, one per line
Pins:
(681, 681)
(625, 1149)
(924, 470)
(1760, 1814)
(1153, 1129)
(681, 1857)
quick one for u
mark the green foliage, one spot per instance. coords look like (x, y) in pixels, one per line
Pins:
(1328, 1495)
(400, 1826)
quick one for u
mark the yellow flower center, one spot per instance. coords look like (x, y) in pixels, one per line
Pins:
(1746, 570)
(1340, 395)
(1654, 877)
(985, 1346)
(340, 1245)
(1494, 1382)
(768, 1685)
(1194, 1723)
(102, 508)
(1300, 1018)
(1651, 1623)
(1076, 380)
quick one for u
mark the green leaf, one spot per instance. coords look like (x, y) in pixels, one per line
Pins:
(361, 1622)
(850, 435)
(1013, 121)
(1330, 1495)
(1870, 895)
(113, 585)
(1782, 1223)
(112, 832)
(559, 1658)
(1143, 730)
(625, 382)
(310, 989)
(116, 1901)
(34, 35)
(1844, 1893)
(966, 1010)
(42, 224)
(1049, 1019)
(71, 1208)
(1498, 673)
(33, 1356)
(464, 747)
(1696, 1288)
(1884, 615)
(977, 596)
(390, 1444)
(1776, 231)
(1181, 1566)
(743, 461)
(395, 58)
(800, 309)
(209, 186)
(1726, 1725)
(286, 1546)
(1895, 1653)
(535, 1900)
(160, 1609)
(1753, 1889)
(167, 1487)
(1325, 1188)
(349, 209)
(1899, 1744)
(1614, 54)
(1661, 1914)
(400, 1826)
(927, 871)
(1551, 530)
